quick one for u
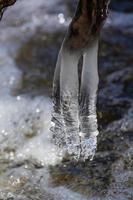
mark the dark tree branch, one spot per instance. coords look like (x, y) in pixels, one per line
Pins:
(4, 4)
(87, 23)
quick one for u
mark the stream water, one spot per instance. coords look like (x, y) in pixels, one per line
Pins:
(31, 166)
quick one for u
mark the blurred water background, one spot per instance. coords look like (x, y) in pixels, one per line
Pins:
(31, 167)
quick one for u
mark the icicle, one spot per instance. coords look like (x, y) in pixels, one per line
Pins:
(74, 119)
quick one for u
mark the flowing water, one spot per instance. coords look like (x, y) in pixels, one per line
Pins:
(31, 166)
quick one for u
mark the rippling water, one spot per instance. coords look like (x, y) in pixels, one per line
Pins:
(31, 166)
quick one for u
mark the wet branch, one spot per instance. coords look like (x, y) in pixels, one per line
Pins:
(4, 4)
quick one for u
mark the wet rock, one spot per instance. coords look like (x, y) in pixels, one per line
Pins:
(36, 59)
(90, 179)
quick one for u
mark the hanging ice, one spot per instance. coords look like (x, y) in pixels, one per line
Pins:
(74, 120)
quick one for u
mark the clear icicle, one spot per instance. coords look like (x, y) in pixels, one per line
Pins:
(74, 116)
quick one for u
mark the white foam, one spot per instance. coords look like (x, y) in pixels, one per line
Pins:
(21, 116)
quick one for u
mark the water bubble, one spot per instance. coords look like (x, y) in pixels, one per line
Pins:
(81, 134)
(18, 98)
(4, 132)
(12, 79)
(61, 18)
(52, 123)
(11, 156)
(26, 166)
(38, 110)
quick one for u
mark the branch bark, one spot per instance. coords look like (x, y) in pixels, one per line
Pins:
(4, 4)
(87, 23)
